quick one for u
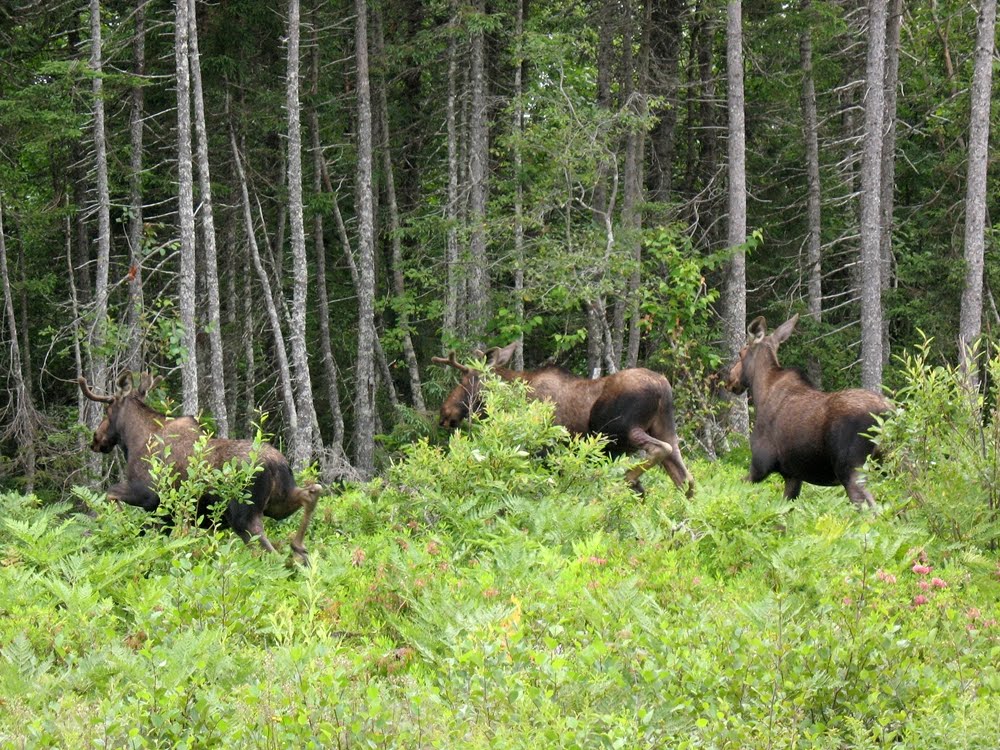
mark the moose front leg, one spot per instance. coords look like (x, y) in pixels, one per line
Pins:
(309, 497)
(856, 490)
(657, 452)
(136, 494)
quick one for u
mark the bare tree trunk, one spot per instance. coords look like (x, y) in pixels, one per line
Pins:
(453, 296)
(284, 373)
(300, 268)
(249, 352)
(185, 210)
(99, 366)
(518, 129)
(888, 167)
(364, 429)
(479, 156)
(23, 428)
(395, 230)
(77, 332)
(134, 342)
(667, 22)
(810, 126)
(735, 291)
(970, 323)
(871, 191)
(216, 373)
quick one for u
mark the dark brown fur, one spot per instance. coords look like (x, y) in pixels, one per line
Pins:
(142, 431)
(800, 432)
(633, 408)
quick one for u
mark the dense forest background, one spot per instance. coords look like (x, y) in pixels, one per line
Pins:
(289, 210)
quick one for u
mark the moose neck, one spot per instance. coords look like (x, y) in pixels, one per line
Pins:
(765, 372)
(137, 422)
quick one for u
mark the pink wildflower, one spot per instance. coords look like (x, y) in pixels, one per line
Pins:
(924, 586)
(885, 577)
(919, 599)
(973, 613)
(358, 557)
(848, 601)
(920, 569)
(597, 560)
(696, 580)
(938, 583)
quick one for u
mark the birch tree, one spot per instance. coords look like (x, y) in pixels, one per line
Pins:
(970, 323)
(735, 289)
(185, 210)
(871, 192)
(216, 372)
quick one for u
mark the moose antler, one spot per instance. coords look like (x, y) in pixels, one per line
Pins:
(147, 383)
(90, 394)
(451, 362)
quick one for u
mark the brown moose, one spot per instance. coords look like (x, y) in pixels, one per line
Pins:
(800, 432)
(142, 432)
(633, 408)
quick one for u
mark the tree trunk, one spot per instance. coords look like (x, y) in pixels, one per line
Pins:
(23, 427)
(185, 209)
(364, 428)
(134, 340)
(453, 296)
(667, 22)
(479, 160)
(888, 167)
(71, 279)
(970, 323)
(216, 373)
(99, 366)
(810, 127)
(300, 269)
(518, 130)
(395, 230)
(735, 287)
(871, 191)
(284, 373)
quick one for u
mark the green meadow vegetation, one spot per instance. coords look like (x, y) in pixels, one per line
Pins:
(507, 590)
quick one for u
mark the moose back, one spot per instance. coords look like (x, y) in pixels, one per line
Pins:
(633, 408)
(141, 431)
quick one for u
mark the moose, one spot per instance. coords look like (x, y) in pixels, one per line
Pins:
(143, 432)
(801, 432)
(633, 408)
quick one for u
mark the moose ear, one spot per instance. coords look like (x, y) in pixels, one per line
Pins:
(756, 330)
(782, 332)
(497, 357)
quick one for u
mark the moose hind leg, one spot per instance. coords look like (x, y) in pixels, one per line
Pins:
(254, 527)
(309, 498)
(856, 490)
(656, 451)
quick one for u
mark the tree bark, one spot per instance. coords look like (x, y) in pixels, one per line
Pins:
(395, 230)
(453, 296)
(810, 127)
(970, 322)
(871, 191)
(303, 452)
(667, 22)
(185, 208)
(888, 168)
(479, 159)
(735, 287)
(134, 340)
(364, 420)
(516, 158)
(99, 366)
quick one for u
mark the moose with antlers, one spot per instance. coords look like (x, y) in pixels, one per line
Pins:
(141, 432)
(800, 432)
(633, 408)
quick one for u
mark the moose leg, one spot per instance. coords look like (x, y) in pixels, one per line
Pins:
(857, 491)
(134, 493)
(255, 528)
(308, 497)
(656, 450)
(792, 488)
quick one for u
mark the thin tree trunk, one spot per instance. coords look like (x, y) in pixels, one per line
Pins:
(216, 372)
(810, 126)
(325, 347)
(518, 130)
(185, 210)
(134, 346)
(871, 191)
(249, 351)
(479, 156)
(888, 167)
(71, 278)
(284, 372)
(453, 296)
(364, 429)
(23, 427)
(395, 230)
(735, 291)
(970, 323)
(669, 25)
(99, 374)
(300, 268)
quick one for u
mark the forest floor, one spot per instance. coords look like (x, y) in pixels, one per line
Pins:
(482, 597)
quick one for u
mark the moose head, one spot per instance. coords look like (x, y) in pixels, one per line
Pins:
(109, 432)
(466, 397)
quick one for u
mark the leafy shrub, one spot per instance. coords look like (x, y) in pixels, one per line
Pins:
(941, 449)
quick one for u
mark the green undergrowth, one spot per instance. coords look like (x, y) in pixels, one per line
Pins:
(510, 592)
